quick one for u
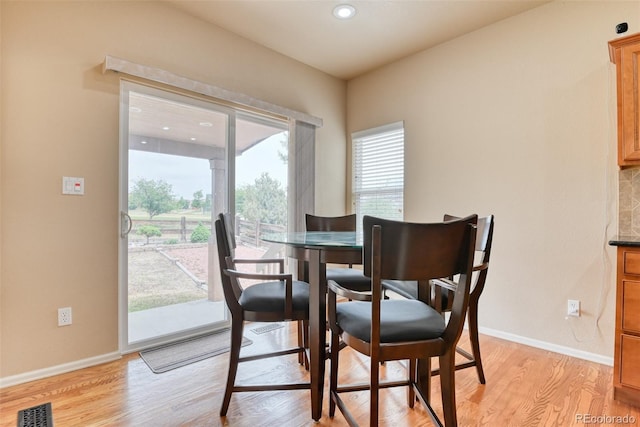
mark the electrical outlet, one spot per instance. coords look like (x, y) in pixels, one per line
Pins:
(573, 307)
(64, 316)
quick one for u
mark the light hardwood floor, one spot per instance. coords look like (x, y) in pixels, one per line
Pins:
(525, 387)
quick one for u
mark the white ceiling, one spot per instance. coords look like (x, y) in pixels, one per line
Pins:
(381, 32)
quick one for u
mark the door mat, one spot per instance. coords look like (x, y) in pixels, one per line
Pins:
(171, 356)
(37, 416)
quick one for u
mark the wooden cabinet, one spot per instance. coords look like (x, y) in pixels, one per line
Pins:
(626, 363)
(625, 53)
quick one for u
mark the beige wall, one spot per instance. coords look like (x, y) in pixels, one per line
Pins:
(1, 175)
(518, 120)
(59, 117)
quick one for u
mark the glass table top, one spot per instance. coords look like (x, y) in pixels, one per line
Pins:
(319, 239)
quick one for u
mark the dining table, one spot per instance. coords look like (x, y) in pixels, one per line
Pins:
(313, 250)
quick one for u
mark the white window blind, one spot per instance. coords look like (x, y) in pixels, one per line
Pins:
(378, 172)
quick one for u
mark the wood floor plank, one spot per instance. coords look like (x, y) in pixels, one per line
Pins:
(525, 387)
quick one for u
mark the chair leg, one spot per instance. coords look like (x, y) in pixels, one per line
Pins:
(413, 379)
(424, 373)
(375, 392)
(305, 342)
(300, 341)
(234, 356)
(473, 338)
(333, 373)
(448, 387)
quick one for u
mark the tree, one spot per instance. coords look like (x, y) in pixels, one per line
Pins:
(154, 196)
(265, 201)
(284, 143)
(149, 231)
(241, 195)
(197, 199)
(183, 203)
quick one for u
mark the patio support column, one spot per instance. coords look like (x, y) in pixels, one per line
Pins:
(218, 204)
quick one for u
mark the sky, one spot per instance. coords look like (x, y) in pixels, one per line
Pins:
(188, 175)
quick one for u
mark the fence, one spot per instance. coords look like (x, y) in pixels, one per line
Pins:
(178, 229)
(247, 232)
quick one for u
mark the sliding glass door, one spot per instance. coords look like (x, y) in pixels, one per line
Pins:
(176, 176)
(260, 185)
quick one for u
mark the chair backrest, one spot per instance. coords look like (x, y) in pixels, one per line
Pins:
(484, 234)
(326, 223)
(225, 244)
(230, 230)
(396, 250)
(484, 239)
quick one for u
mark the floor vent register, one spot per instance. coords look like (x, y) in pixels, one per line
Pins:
(38, 416)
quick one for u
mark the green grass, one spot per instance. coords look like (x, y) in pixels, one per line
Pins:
(154, 281)
(152, 301)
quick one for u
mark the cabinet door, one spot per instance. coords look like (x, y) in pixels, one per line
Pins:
(630, 94)
(631, 306)
(629, 372)
(631, 262)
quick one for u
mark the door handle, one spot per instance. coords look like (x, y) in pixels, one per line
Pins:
(125, 219)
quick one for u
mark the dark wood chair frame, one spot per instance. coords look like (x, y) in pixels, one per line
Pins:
(484, 242)
(431, 251)
(330, 223)
(232, 292)
(346, 276)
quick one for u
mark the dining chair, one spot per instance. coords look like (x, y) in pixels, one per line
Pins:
(442, 295)
(275, 298)
(348, 277)
(404, 329)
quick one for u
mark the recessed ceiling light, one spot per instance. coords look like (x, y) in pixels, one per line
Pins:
(166, 128)
(193, 139)
(206, 124)
(135, 109)
(344, 11)
(143, 142)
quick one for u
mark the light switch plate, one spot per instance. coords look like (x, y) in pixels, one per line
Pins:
(73, 185)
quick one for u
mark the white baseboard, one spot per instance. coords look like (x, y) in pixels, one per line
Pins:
(59, 369)
(110, 357)
(579, 354)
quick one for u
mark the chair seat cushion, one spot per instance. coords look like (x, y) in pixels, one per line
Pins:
(269, 296)
(400, 320)
(350, 278)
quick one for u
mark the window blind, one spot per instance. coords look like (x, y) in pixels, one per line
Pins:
(378, 172)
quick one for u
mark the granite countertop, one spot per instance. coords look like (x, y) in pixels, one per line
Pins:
(625, 241)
